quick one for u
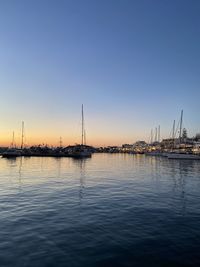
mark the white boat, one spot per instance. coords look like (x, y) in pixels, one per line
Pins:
(183, 156)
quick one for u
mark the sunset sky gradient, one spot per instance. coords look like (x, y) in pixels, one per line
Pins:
(133, 64)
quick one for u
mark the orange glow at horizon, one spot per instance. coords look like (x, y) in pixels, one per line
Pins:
(98, 134)
(51, 139)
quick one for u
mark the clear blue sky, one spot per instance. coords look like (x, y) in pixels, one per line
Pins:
(133, 64)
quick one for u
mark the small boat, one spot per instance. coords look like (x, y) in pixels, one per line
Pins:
(183, 156)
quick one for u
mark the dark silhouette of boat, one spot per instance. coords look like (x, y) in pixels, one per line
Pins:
(81, 151)
(11, 153)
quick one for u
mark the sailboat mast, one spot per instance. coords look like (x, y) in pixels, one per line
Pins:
(13, 140)
(151, 136)
(173, 130)
(82, 135)
(22, 140)
(181, 122)
(156, 134)
(173, 134)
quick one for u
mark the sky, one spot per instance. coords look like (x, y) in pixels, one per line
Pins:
(133, 64)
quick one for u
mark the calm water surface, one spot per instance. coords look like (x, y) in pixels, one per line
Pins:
(110, 210)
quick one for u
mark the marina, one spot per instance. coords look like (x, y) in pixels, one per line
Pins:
(181, 147)
(99, 133)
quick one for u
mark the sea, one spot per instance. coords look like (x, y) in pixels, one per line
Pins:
(111, 210)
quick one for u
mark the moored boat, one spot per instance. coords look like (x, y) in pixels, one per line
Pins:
(81, 151)
(11, 153)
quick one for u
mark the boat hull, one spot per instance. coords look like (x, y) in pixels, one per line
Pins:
(81, 155)
(11, 154)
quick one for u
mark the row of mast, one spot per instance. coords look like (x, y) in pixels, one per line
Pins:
(155, 136)
(13, 144)
(83, 133)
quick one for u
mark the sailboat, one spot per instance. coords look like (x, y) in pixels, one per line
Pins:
(82, 150)
(12, 151)
(180, 154)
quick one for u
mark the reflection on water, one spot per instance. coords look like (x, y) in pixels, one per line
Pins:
(81, 165)
(109, 210)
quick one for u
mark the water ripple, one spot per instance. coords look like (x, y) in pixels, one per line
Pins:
(110, 210)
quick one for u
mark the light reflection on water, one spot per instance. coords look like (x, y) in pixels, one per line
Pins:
(110, 210)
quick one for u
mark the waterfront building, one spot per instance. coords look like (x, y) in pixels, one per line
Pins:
(127, 148)
(140, 146)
